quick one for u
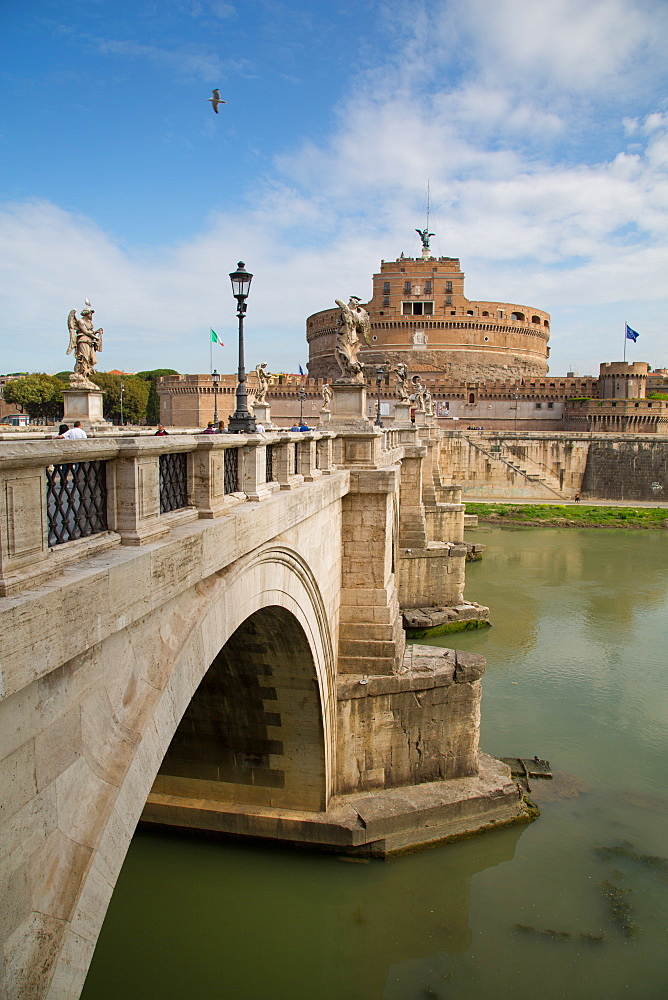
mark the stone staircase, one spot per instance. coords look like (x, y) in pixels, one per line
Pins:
(539, 478)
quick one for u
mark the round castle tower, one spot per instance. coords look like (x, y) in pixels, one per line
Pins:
(420, 317)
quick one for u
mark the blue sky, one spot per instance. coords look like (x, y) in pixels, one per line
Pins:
(542, 128)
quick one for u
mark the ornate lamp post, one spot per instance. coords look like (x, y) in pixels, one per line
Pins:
(122, 391)
(380, 375)
(302, 397)
(215, 378)
(242, 420)
(516, 397)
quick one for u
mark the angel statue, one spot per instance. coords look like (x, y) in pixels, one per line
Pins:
(326, 396)
(85, 342)
(263, 381)
(425, 236)
(353, 321)
(401, 385)
(418, 392)
(428, 403)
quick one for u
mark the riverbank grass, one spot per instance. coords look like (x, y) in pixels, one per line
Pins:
(571, 516)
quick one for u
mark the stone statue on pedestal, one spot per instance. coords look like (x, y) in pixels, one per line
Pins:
(264, 380)
(353, 322)
(401, 385)
(326, 396)
(86, 343)
(418, 391)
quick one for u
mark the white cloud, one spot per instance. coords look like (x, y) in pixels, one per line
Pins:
(189, 59)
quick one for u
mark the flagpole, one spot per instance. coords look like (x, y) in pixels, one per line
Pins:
(625, 339)
(210, 353)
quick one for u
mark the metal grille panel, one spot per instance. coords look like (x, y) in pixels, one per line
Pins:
(269, 464)
(173, 482)
(296, 459)
(231, 470)
(76, 500)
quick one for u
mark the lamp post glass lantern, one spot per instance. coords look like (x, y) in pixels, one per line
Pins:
(215, 378)
(242, 420)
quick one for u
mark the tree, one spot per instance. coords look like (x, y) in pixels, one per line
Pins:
(39, 395)
(135, 396)
(153, 405)
(657, 395)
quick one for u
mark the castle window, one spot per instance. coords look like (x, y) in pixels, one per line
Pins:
(485, 313)
(448, 300)
(545, 323)
(407, 288)
(448, 288)
(386, 287)
(386, 300)
(469, 312)
(517, 315)
(539, 406)
(500, 313)
(427, 287)
(535, 319)
(417, 308)
(550, 405)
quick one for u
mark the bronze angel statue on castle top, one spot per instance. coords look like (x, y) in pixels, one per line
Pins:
(85, 342)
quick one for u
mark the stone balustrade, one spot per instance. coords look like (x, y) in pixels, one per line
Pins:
(61, 501)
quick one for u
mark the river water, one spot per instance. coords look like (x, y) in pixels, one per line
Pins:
(573, 906)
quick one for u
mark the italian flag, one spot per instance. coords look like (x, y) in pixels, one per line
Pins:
(215, 339)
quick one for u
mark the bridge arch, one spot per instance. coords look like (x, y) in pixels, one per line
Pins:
(253, 730)
(213, 623)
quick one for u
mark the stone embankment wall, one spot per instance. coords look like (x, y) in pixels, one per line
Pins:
(557, 465)
(627, 470)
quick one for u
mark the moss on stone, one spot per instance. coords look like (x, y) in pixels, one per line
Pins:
(442, 629)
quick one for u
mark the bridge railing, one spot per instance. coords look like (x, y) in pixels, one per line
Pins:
(61, 501)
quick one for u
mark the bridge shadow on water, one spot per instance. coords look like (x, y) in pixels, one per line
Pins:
(210, 919)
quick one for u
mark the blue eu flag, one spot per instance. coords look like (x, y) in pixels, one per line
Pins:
(301, 370)
(631, 334)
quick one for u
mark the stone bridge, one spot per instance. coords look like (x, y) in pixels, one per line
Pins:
(205, 631)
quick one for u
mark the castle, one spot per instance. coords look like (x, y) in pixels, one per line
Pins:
(485, 364)
(420, 317)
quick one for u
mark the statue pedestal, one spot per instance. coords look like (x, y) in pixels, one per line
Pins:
(348, 405)
(402, 413)
(421, 419)
(84, 405)
(262, 414)
(325, 417)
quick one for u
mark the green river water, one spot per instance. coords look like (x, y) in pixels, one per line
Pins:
(577, 664)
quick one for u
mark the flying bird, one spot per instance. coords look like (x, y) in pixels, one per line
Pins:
(216, 100)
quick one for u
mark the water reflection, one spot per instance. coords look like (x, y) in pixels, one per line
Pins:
(208, 920)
